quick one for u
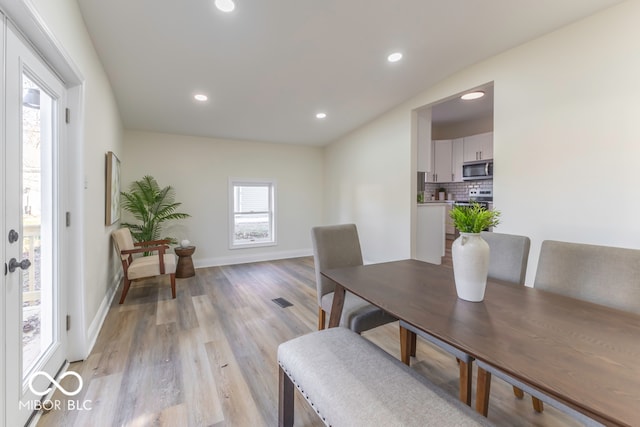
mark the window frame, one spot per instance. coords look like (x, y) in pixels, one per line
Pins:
(241, 182)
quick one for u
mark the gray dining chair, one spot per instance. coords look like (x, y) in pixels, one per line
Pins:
(336, 246)
(602, 275)
(508, 258)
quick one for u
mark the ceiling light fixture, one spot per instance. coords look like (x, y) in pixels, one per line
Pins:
(394, 57)
(472, 95)
(225, 5)
(200, 97)
(321, 115)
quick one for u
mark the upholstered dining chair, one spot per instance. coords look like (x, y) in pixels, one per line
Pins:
(508, 258)
(336, 246)
(602, 275)
(143, 266)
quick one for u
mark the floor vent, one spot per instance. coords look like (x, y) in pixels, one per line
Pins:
(282, 302)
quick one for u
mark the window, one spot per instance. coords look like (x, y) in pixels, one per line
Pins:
(252, 213)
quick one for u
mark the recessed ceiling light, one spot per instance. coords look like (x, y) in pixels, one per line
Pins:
(394, 57)
(472, 95)
(321, 115)
(200, 97)
(225, 5)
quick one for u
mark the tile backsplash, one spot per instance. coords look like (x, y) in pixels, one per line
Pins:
(460, 190)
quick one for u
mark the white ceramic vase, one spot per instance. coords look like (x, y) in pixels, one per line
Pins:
(470, 254)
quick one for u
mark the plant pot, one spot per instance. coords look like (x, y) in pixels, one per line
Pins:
(470, 254)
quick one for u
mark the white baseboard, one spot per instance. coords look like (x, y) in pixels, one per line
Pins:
(98, 320)
(243, 259)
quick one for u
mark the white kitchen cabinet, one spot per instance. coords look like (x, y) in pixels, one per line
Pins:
(478, 147)
(457, 158)
(430, 228)
(442, 160)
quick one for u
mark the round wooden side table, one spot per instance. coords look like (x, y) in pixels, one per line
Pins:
(185, 263)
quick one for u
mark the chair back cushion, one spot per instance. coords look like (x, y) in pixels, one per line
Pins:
(123, 241)
(334, 246)
(509, 255)
(600, 274)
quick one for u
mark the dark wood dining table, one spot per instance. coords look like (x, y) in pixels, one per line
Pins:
(584, 355)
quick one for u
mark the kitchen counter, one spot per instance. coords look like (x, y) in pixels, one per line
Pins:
(436, 202)
(430, 228)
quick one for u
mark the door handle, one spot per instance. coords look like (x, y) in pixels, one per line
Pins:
(13, 264)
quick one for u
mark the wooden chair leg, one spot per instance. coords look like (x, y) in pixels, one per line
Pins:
(466, 376)
(538, 406)
(518, 392)
(414, 339)
(483, 388)
(173, 285)
(322, 318)
(285, 400)
(405, 345)
(125, 289)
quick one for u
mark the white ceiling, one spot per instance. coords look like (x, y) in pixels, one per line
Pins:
(454, 110)
(269, 66)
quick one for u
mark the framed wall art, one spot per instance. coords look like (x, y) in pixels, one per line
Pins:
(112, 211)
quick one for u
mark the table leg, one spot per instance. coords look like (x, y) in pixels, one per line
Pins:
(483, 389)
(336, 306)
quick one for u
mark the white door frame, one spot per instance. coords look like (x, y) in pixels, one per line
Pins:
(25, 17)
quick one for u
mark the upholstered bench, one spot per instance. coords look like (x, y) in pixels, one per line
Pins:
(351, 382)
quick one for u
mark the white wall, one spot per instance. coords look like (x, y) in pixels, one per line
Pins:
(566, 134)
(367, 182)
(102, 131)
(199, 170)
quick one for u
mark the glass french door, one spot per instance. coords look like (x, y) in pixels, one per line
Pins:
(34, 102)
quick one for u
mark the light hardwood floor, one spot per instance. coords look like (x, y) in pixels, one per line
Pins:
(208, 358)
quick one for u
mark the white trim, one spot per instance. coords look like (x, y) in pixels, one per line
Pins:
(25, 16)
(75, 262)
(3, 226)
(101, 314)
(243, 259)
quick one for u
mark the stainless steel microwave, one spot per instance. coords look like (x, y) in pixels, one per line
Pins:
(479, 169)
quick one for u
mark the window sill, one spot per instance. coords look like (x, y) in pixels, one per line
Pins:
(251, 245)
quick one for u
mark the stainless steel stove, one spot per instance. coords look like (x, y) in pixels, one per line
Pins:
(477, 195)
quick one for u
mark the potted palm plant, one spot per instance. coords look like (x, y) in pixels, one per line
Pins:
(470, 253)
(152, 206)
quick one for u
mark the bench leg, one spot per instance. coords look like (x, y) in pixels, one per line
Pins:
(466, 375)
(285, 399)
(483, 389)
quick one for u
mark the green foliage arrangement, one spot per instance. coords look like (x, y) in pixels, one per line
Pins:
(474, 218)
(152, 206)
